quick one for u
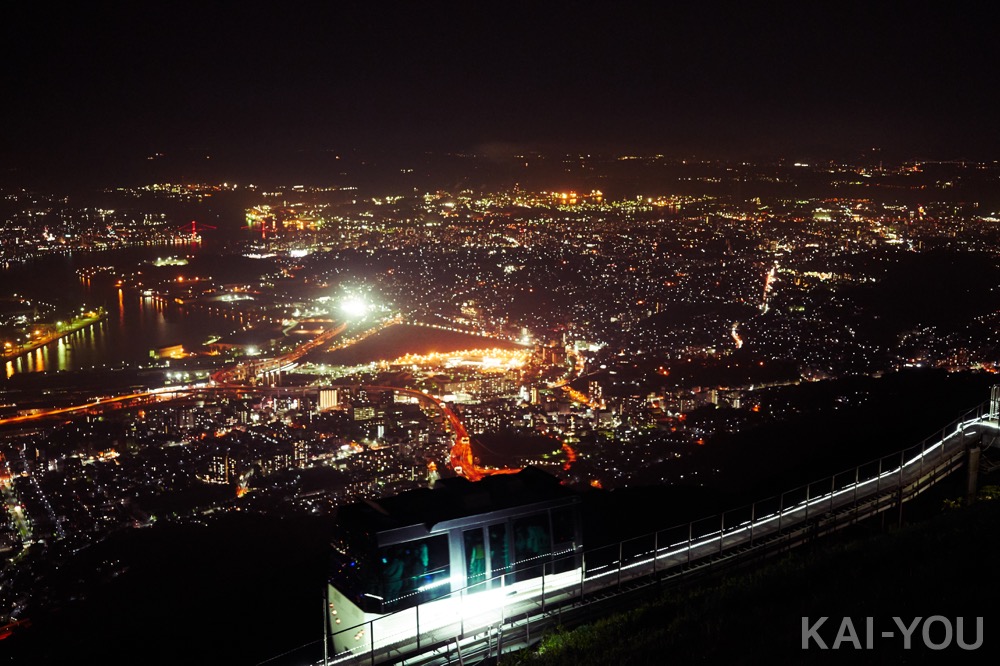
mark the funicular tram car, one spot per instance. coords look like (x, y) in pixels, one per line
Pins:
(459, 539)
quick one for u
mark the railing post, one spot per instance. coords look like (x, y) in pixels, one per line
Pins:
(857, 480)
(656, 549)
(417, 607)
(620, 550)
(808, 486)
(461, 612)
(543, 587)
(902, 461)
(753, 517)
(923, 448)
(583, 572)
(690, 534)
(326, 631)
(781, 509)
(503, 607)
(500, 638)
(371, 637)
(722, 530)
(878, 480)
(833, 487)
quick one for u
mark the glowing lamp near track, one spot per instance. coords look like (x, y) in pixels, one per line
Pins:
(354, 307)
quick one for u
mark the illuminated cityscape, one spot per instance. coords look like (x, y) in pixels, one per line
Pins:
(220, 347)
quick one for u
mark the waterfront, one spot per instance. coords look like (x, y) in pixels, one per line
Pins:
(133, 325)
(62, 329)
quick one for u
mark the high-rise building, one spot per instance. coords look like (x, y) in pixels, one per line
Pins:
(328, 399)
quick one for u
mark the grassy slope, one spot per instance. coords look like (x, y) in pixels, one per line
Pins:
(943, 566)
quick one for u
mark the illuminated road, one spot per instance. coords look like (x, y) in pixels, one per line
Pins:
(462, 462)
(768, 287)
(99, 403)
(583, 399)
(477, 621)
(466, 331)
(160, 395)
(13, 507)
(251, 369)
(223, 379)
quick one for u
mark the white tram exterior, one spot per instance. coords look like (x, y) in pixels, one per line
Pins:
(449, 550)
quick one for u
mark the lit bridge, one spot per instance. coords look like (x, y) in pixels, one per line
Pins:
(470, 624)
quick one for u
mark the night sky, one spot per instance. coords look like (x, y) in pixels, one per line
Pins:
(100, 82)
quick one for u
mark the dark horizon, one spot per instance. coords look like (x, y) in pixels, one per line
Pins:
(95, 90)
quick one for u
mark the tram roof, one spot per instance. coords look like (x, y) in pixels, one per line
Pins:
(455, 498)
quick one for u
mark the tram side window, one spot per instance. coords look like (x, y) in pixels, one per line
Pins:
(499, 557)
(564, 538)
(531, 544)
(475, 557)
(564, 526)
(415, 572)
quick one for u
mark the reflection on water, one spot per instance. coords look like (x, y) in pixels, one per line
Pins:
(134, 324)
(133, 328)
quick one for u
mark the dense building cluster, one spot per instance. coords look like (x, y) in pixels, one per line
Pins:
(610, 339)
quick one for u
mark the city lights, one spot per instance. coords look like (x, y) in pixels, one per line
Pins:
(471, 321)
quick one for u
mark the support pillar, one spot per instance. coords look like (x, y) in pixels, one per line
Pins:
(972, 466)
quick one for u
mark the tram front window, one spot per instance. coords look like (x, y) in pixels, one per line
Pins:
(415, 572)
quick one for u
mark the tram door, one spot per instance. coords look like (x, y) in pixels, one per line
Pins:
(486, 556)
(475, 560)
(499, 554)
